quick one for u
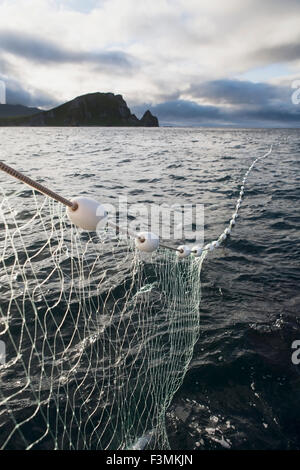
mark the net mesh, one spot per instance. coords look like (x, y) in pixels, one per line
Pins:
(97, 337)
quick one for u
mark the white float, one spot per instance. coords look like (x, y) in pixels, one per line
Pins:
(197, 251)
(89, 214)
(183, 251)
(207, 247)
(147, 241)
(214, 245)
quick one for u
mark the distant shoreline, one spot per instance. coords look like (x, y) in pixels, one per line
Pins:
(91, 110)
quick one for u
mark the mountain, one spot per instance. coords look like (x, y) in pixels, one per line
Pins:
(93, 109)
(14, 110)
(148, 120)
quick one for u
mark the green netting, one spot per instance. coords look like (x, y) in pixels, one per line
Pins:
(97, 336)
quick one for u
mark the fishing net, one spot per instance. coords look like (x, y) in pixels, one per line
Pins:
(95, 337)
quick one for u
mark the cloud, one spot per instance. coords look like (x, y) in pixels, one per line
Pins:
(184, 112)
(280, 53)
(189, 113)
(5, 66)
(228, 102)
(184, 57)
(238, 92)
(85, 6)
(17, 93)
(39, 50)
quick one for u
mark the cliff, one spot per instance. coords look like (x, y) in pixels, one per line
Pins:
(94, 109)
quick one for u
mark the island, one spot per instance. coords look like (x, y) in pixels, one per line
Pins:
(92, 109)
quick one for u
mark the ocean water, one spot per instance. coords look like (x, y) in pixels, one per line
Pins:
(241, 390)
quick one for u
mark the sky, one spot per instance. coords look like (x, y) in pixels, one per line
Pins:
(191, 62)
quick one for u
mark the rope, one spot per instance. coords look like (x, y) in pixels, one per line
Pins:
(34, 184)
(216, 243)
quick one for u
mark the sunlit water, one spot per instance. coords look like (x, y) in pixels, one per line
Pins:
(242, 389)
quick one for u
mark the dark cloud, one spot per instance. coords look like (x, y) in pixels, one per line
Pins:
(238, 92)
(39, 50)
(280, 53)
(231, 102)
(182, 112)
(245, 103)
(188, 113)
(17, 93)
(274, 116)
